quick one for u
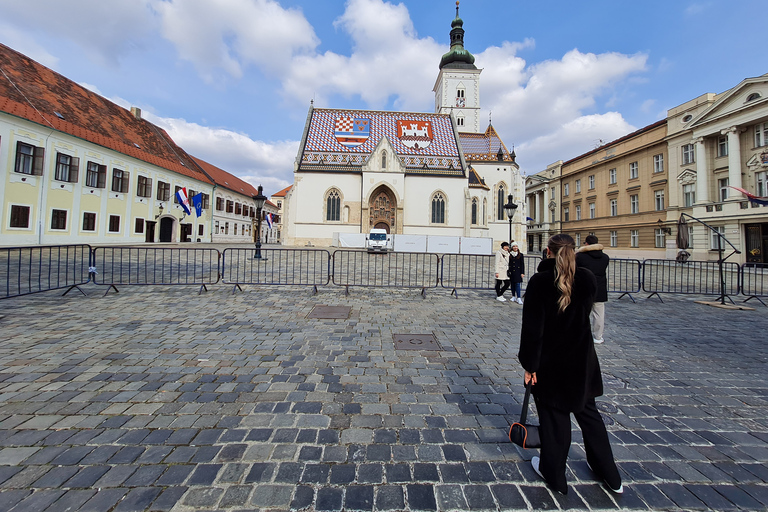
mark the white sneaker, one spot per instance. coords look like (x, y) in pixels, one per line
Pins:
(535, 464)
(598, 340)
(620, 490)
(519, 301)
(501, 298)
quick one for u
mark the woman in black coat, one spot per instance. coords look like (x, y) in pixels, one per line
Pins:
(516, 272)
(558, 355)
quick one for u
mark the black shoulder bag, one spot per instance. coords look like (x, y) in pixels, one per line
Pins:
(522, 434)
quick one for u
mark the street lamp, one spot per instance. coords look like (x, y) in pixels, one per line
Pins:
(510, 208)
(259, 201)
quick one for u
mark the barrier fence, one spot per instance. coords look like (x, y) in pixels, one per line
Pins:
(27, 270)
(690, 277)
(754, 281)
(389, 269)
(155, 266)
(308, 267)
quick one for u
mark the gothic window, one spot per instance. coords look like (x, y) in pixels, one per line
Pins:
(438, 208)
(383, 160)
(474, 210)
(333, 206)
(501, 197)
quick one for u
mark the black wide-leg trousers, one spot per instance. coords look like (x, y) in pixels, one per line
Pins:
(555, 432)
(501, 289)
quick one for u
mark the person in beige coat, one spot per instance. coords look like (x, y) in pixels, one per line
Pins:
(502, 264)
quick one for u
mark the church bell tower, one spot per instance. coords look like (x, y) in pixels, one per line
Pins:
(457, 89)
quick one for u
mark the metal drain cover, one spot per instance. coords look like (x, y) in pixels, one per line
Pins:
(606, 407)
(332, 312)
(416, 342)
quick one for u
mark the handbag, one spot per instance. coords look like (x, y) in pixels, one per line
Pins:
(522, 434)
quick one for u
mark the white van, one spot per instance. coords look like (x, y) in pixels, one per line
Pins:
(378, 240)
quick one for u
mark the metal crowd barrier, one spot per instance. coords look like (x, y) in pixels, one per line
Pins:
(476, 271)
(389, 269)
(754, 281)
(310, 267)
(27, 270)
(155, 266)
(690, 277)
(624, 277)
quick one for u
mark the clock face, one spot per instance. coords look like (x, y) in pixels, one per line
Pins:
(460, 102)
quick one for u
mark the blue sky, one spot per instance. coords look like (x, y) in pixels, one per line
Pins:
(231, 80)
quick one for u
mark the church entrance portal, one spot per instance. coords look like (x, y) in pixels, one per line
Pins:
(382, 210)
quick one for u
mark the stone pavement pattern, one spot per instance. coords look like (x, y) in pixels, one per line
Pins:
(153, 399)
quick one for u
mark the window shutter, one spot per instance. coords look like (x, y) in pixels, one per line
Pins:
(149, 187)
(37, 167)
(74, 166)
(125, 181)
(102, 177)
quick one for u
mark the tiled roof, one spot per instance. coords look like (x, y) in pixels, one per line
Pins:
(475, 181)
(226, 180)
(342, 140)
(484, 146)
(283, 192)
(33, 92)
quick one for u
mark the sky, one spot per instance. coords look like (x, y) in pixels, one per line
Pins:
(232, 80)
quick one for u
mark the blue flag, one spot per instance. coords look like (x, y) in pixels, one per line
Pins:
(197, 202)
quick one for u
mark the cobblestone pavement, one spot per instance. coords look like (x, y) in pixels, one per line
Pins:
(153, 399)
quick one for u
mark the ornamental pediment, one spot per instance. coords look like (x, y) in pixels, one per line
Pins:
(687, 177)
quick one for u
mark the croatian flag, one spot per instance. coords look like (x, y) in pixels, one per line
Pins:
(269, 220)
(181, 196)
(197, 202)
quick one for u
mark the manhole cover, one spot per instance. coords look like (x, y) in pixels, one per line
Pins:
(607, 420)
(416, 342)
(606, 407)
(333, 312)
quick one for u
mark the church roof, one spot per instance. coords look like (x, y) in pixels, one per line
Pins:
(485, 147)
(342, 141)
(475, 181)
(31, 91)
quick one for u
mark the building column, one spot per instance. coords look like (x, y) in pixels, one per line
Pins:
(536, 204)
(734, 158)
(702, 174)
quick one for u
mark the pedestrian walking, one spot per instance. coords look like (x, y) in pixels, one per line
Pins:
(516, 272)
(592, 257)
(502, 264)
(559, 358)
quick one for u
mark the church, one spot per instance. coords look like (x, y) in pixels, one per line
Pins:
(434, 174)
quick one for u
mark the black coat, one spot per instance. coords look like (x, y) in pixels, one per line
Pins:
(593, 258)
(558, 346)
(516, 268)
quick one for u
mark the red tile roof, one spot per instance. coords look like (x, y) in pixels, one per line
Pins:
(283, 192)
(484, 146)
(226, 180)
(33, 92)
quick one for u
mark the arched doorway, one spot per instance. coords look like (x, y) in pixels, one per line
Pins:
(382, 209)
(166, 229)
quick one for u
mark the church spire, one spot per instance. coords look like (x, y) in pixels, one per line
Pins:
(457, 56)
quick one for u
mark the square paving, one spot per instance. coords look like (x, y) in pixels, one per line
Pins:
(156, 399)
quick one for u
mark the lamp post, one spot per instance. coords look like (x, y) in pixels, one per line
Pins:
(510, 208)
(259, 201)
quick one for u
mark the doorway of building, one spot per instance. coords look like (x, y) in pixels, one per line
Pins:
(382, 209)
(186, 232)
(149, 233)
(166, 229)
(757, 242)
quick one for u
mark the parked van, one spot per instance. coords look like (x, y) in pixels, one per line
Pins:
(378, 240)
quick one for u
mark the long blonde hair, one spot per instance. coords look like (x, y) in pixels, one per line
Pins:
(564, 249)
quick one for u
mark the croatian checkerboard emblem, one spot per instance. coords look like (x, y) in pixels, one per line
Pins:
(414, 134)
(352, 131)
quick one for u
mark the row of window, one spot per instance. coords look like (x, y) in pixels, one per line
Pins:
(634, 206)
(20, 217)
(634, 173)
(235, 207)
(659, 238)
(29, 160)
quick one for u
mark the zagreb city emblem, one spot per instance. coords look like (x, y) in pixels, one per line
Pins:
(352, 131)
(415, 134)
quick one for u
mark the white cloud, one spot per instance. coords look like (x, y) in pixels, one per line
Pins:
(229, 34)
(104, 29)
(574, 138)
(24, 43)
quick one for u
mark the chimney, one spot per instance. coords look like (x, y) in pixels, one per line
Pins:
(136, 112)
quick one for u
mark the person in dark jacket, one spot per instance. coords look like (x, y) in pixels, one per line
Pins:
(516, 272)
(559, 358)
(592, 257)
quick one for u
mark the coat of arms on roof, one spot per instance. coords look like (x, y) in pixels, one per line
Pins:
(414, 134)
(352, 131)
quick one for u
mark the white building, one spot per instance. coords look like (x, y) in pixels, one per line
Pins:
(406, 172)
